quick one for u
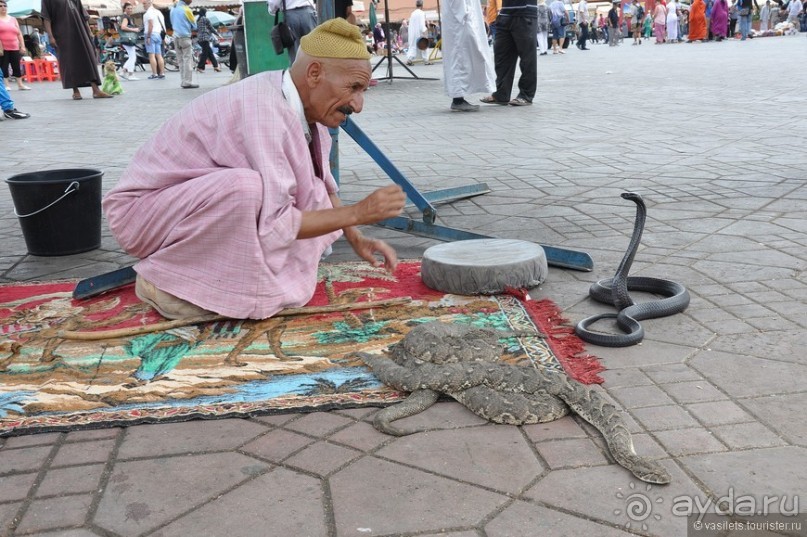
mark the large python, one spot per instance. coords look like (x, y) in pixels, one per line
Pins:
(463, 362)
(615, 291)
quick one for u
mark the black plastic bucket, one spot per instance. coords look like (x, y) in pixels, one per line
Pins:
(59, 210)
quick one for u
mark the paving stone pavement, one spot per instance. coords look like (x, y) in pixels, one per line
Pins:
(712, 135)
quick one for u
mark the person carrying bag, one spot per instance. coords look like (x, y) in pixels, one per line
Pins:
(282, 38)
(299, 18)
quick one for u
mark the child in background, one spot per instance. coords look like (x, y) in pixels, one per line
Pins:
(647, 26)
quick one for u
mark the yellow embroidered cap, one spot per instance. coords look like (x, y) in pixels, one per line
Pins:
(335, 38)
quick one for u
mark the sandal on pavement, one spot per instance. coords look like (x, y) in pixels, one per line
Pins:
(518, 101)
(77, 97)
(101, 95)
(490, 99)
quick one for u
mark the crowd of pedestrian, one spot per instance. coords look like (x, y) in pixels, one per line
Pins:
(671, 21)
(72, 39)
(514, 28)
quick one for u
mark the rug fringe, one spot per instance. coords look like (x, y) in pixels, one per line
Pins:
(569, 349)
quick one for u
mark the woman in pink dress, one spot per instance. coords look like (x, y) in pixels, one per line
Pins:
(660, 22)
(720, 19)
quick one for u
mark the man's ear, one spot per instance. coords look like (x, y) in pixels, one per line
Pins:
(314, 73)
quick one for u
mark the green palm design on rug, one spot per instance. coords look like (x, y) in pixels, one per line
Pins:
(342, 332)
(159, 354)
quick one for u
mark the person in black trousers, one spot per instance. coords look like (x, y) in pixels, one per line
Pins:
(582, 20)
(204, 36)
(583, 37)
(515, 41)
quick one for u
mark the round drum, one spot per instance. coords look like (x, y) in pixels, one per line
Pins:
(483, 266)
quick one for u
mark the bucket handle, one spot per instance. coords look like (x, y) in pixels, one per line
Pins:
(72, 187)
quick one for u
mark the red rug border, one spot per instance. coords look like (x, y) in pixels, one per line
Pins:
(569, 349)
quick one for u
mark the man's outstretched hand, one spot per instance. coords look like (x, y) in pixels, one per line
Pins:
(384, 203)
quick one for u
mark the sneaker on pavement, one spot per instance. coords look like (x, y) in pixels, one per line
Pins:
(132, 77)
(190, 86)
(464, 107)
(15, 114)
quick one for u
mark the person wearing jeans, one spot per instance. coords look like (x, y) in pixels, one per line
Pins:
(8, 105)
(184, 23)
(745, 12)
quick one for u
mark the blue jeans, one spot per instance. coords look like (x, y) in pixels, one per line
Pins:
(745, 25)
(5, 99)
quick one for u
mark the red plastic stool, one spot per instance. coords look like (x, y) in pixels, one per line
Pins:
(32, 71)
(48, 70)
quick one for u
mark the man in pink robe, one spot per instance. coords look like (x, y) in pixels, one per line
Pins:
(231, 204)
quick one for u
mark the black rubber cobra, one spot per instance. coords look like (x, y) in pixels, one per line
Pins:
(615, 291)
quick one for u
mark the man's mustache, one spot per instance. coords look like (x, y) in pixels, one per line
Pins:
(347, 109)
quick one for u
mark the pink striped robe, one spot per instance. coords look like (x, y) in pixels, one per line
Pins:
(213, 202)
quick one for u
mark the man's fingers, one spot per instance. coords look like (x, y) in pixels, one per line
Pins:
(384, 203)
(394, 194)
(390, 257)
(372, 248)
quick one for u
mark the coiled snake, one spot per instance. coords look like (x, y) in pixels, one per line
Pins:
(463, 362)
(615, 291)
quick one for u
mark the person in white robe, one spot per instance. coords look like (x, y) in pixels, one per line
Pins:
(467, 61)
(794, 8)
(417, 29)
(765, 16)
(672, 22)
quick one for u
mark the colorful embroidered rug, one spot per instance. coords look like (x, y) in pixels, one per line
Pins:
(237, 368)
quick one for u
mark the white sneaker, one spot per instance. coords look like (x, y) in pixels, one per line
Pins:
(132, 77)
